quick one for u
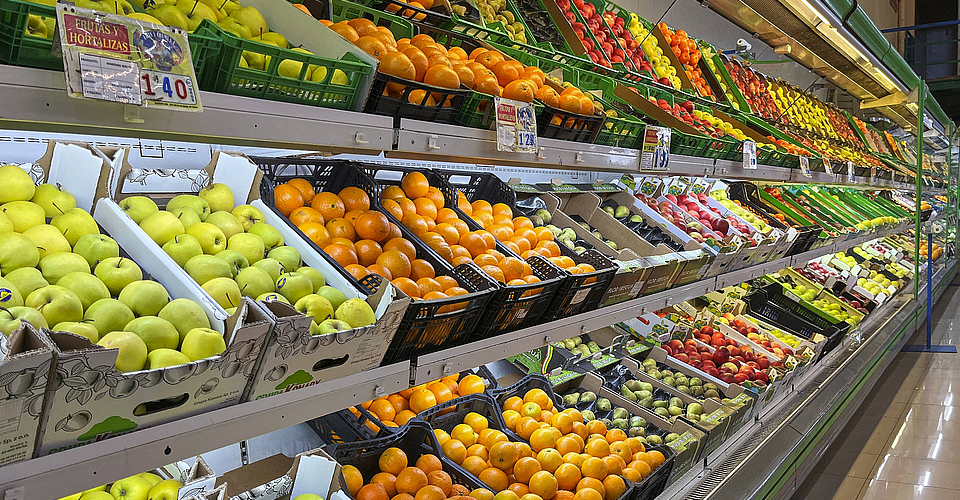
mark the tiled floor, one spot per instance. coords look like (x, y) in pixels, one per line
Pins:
(904, 440)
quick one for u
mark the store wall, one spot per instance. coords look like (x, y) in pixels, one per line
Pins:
(722, 34)
(884, 15)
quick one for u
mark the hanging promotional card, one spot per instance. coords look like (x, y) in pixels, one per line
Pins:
(516, 126)
(117, 58)
(805, 167)
(851, 173)
(749, 155)
(826, 166)
(655, 152)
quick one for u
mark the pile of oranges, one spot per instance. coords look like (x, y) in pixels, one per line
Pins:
(422, 209)
(689, 55)
(361, 240)
(397, 409)
(399, 480)
(563, 458)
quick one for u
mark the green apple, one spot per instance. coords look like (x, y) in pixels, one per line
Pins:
(254, 282)
(86, 286)
(308, 496)
(169, 488)
(97, 495)
(291, 69)
(312, 67)
(117, 273)
(276, 38)
(204, 268)
(108, 315)
(162, 358)
(56, 303)
(224, 291)
(294, 286)
(199, 204)
(144, 297)
(23, 214)
(17, 184)
(288, 256)
(10, 318)
(10, 294)
(156, 332)
(96, 248)
(80, 328)
(273, 267)
(184, 315)
(53, 199)
(315, 306)
(55, 266)
(218, 196)
(26, 280)
(252, 19)
(272, 297)
(248, 216)
(231, 25)
(250, 245)
(182, 248)
(75, 496)
(187, 215)
(6, 225)
(356, 312)
(149, 476)
(170, 15)
(228, 6)
(196, 12)
(75, 223)
(161, 227)
(211, 238)
(16, 251)
(269, 234)
(133, 487)
(336, 297)
(329, 326)
(236, 260)
(316, 277)
(215, 7)
(202, 343)
(139, 208)
(146, 18)
(226, 222)
(48, 239)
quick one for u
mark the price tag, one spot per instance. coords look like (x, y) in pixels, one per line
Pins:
(851, 173)
(826, 166)
(749, 155)
(655, 152)
(805, 167)
(516, 126)
(116, 58)
(873, 174)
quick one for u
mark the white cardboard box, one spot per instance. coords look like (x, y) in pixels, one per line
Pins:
(26, 365)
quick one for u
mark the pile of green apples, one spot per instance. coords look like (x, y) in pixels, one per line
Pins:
(231, 253)
(137, 487)
(66, 276)
(803, 292)
(834, 310)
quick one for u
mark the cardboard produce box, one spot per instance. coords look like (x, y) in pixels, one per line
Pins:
(27, 362)
(689, 446)
(91, 400)
(218, 493)
(291, 357)
(197, 480)
(280, 478)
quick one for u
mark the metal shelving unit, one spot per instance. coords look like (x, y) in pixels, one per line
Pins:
(89, 466)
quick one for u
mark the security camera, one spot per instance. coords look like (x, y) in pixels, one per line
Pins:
(743, 45)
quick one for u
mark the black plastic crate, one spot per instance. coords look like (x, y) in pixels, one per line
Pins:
(770, 304)
(511, 307)
(346, 427)
(746, 193)
(450, 414)
(446, 106)
(553, 123)
(415, 439)
(427, 325)
(578, 292)
(413, 13)
(524, 385)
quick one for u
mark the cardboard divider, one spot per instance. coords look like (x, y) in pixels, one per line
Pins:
(197, 480)
(29, 364)
(280, 477)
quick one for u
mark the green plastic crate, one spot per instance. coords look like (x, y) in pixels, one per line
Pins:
(223, 74)
(470, 114)
(19, 48)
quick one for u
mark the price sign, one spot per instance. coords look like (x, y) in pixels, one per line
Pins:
(826, 166)
(873, 174)
(851, 173)
(116, 58)
(655, 152)
(749, 155)
(805, 167)
(516, 126)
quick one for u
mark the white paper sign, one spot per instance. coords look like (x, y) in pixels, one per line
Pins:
(749, 155)
(516, 126)
(851, 173)
(805, 167)
(827, 167)
(655, 152)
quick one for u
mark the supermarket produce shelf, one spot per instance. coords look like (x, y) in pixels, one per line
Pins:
(36, 100)
(89, 466)
(770, 457)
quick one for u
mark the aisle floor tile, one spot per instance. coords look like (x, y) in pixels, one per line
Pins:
(889, 490)
(829, 486)
(917, 471)
(866, 434)
(926, 448)
(847, 463)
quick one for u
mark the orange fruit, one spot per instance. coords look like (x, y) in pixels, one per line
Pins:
(614, 487)
(489, 58)
(329, 205)
(396, 262)
(367, 252)
(474, 464)
(568, 475)
(372, 491)
(426, 208)
(383, 410)
(387, 480)
(588, 494)
(593, 467)
(399, 65)
(482, 494)
(441, 392)
(305, 188)
(519, 488)
(495, 272)
(430, 492)
(454, 450)
(372, 225)
(657, 457)
(420, 269)
(421, 400)
(586, 106)
(428, 285)
(471, 384)
(415, 185)
(525, 468)
(410, 480)
(371, 45)
(512, 268)
(542, 439)
(506, 72)
(354, 198)
(441, 480)
(407, 286)
(287, 198)
(343, 255)
(346, 31)
(550, 459)
(357, 271)
(570, 103)
(419, 61)
(474, 243)
(503, 455)
(614, 464)
(495, 478)
(441, 76)
(642, 468)
(520, 90)
(543, 484)
(353, 479)
(392, 460)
